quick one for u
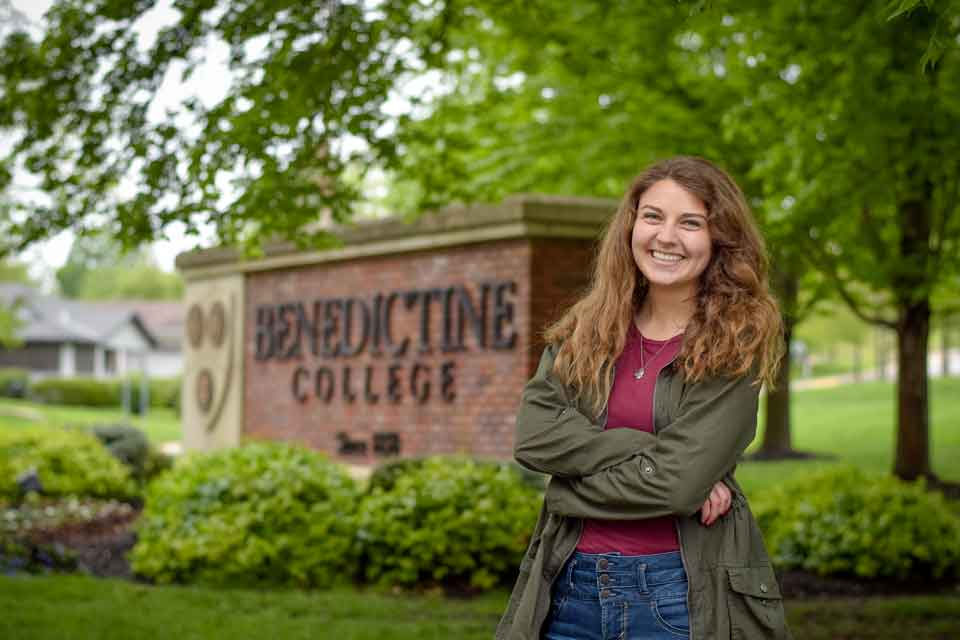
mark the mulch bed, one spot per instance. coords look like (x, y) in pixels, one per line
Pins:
(101, 545)
(798, 585)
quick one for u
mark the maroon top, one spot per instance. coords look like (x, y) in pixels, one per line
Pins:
(631, 406)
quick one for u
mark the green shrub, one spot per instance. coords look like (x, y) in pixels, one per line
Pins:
(126, 442)
(93, 392)
(161, 392)
(386, 474)
(264, 513)
(847, 522)
(156, 463)
(68, 462)
(87, 392)
(130, 445)
(447, 520)
(14, 383)
(166, 391)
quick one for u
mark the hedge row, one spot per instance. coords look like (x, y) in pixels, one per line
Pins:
(88, 392)
(848, 522)
(281, 514)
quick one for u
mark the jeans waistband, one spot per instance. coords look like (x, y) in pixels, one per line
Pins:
(613, 570)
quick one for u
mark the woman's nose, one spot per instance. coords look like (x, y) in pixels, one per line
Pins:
(667, 233)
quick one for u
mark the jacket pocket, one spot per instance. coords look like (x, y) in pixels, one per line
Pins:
(755, 604)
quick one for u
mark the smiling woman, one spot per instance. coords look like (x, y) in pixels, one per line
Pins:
(671, 239)
(644, 399)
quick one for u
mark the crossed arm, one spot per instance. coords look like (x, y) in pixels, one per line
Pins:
(626, 473)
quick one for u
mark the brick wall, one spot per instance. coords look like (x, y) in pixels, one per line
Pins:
(486, 381)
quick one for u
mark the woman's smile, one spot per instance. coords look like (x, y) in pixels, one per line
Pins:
(668, 258)
(671, 239)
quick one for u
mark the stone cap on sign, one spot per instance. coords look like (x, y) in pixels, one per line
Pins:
(519, 216)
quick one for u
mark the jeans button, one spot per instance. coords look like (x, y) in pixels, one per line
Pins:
(604, 579)
(605, 593)
(603, 563)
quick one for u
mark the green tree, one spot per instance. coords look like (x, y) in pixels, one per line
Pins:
(858, 142)
(10, 323)
(841, 119)
(268, 158)
(87, 253)
(141, 280)
(98, 268)
(574, 99)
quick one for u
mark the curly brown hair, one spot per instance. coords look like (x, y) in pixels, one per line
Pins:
(736, 329)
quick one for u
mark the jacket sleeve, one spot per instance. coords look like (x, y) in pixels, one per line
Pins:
(717, 420)
(554, 437)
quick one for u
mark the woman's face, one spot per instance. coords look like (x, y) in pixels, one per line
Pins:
(671, 240)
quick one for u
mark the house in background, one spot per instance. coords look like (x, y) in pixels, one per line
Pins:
(100, 339)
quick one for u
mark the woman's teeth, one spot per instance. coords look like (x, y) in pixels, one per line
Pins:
(672, 257)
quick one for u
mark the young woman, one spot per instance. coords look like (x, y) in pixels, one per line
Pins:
(644, 398)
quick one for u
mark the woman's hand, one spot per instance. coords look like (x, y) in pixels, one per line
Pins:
(716, 504)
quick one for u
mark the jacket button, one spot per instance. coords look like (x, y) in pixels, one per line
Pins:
(763, 587)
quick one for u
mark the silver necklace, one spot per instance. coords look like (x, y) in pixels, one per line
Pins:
(638, 374)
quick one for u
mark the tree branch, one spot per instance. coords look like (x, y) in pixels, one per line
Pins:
(806, 307)
(840, 285)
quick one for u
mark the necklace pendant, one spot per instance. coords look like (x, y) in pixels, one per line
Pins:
(638, 373)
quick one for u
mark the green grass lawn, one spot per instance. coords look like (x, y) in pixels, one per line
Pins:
(856, 423)
(65, 607)
(160, 424)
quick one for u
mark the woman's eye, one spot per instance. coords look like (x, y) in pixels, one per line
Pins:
(650, 215)
(692, 224)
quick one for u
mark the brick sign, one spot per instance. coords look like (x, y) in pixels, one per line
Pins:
(333, 332)
(410, 340)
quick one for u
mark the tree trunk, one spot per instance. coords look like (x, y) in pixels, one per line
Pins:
(776, 432)
(913, 417)
(913, 334)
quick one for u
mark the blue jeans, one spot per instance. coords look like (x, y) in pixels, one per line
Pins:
(611, 596)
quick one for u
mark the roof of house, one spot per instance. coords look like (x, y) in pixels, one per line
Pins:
(163, 319)
(52, 319)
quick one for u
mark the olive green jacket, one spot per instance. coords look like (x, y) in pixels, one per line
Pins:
(701, 430)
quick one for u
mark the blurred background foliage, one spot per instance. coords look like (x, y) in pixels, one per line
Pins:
(837, 119)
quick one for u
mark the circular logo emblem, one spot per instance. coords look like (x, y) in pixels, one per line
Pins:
(216, 324)
(204, 390)
(195, 326)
